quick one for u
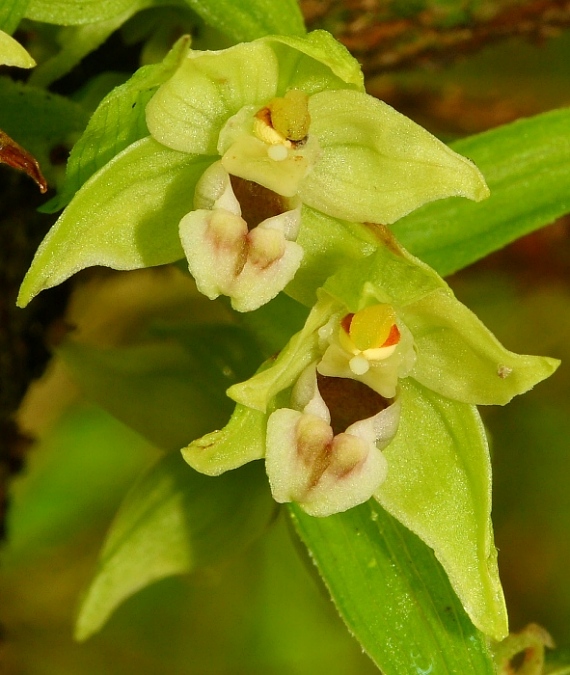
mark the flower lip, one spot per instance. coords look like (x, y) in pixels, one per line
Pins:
(258, 203)
(349, 401)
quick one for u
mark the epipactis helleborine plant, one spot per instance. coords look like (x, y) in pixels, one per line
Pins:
(287, 124)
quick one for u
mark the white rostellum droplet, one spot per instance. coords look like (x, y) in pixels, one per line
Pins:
(277, 153)
(359, 364)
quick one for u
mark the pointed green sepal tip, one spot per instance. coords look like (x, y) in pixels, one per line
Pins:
(13, 54)
(242, 440)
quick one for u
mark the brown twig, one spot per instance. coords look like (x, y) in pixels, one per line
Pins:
(383, 39)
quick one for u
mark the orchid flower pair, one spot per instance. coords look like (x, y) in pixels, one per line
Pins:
(270, 169)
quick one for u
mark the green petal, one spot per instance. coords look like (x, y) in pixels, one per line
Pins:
(459, 358)
(13, 54)
(300, 351)
(126, 217)
(242, 440)
(378, 165)
(439, 486)
(188, 112)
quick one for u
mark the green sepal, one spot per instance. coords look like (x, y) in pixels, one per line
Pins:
(439, 486)
(174, 521)
(242, 440)
(376, 165)
(118, 121)
(458, 357)
(275, 376)
(126, 217)
(13, 54)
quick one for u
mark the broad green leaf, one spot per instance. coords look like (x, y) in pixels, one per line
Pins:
(526, 167)
(118, 121)
(78, 41)
(392, 593)
(243, 21)
(13, 54)
(170, 390)
(174, 521)
(126, 216)
(76, 12)
(39, 120)
(439, 486)
(11, 13)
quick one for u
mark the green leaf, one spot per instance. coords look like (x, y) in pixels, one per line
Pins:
(11, 13)
(458, 357)
(126, 216)
(76, 12)
(392, 593)
(38, 120)
(247, 21)
(78, 41)
(439, 486)
(118, 121)
(527, 170)
(174, 521)
(171, 390)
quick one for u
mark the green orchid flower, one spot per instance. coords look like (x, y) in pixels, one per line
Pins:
(250, 149)
(374, 398)
(287, 124)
